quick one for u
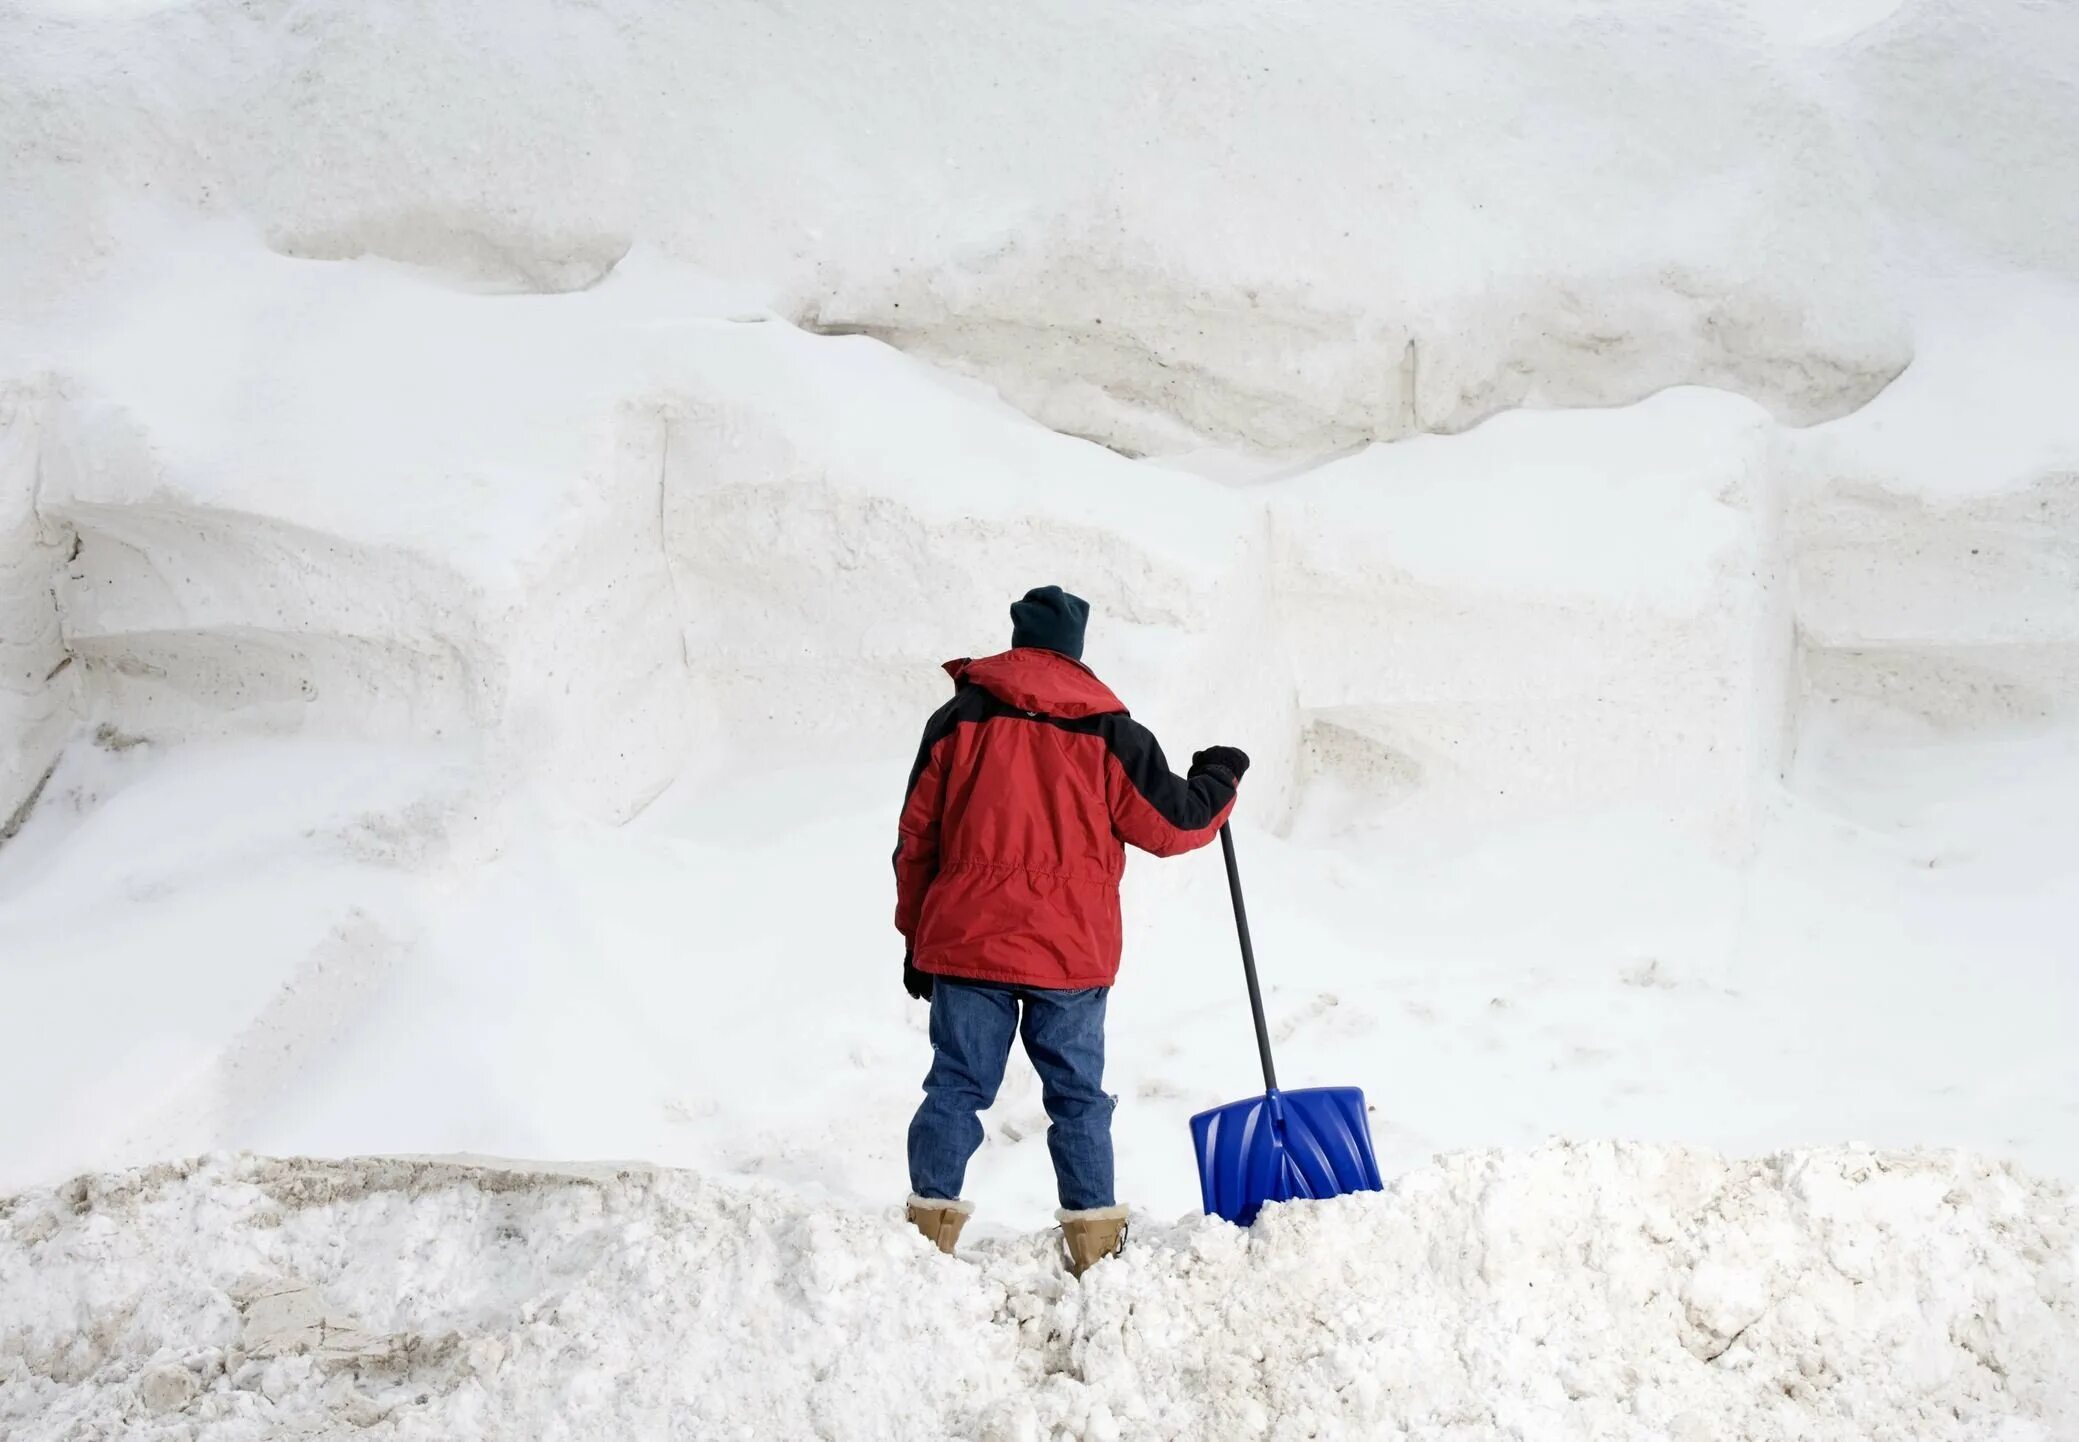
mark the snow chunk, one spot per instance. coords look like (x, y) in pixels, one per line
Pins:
(1579, 1290)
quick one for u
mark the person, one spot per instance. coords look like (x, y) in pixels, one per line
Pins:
(1026, 788)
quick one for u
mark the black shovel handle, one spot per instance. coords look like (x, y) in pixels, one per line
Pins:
(1241, 926)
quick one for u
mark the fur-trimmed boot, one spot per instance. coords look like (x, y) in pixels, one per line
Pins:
(1092, 1235)
(940, 1221)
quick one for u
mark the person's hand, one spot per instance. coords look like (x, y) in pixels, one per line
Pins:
(916, 983)
(1226, 762)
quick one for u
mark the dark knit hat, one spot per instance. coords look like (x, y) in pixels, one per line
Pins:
(1052, 618)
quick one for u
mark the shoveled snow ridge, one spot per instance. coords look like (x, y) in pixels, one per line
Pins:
(1579, 1290)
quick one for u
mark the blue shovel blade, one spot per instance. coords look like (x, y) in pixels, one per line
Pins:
(1310, 1143)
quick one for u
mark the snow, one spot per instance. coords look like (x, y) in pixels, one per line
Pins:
(400, 962)
(35, 692)
(1618, 575)
(1103, 214)
(1599, 1290)
(1984, 404)
(484, 491)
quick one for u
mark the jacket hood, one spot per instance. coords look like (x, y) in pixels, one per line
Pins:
(1033, 679)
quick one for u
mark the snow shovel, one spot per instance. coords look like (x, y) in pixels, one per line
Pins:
(1310, 1143)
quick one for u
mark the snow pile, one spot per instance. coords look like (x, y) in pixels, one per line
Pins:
(1190, 225)
(295, 498)
(365, 506)
(1579, 1291)
(584, 534)
(367, 375)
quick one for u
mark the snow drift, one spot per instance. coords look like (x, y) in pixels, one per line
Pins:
(1578, 1291)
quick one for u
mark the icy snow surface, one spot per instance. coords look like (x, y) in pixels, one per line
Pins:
(484, 491)
(1584, 1290)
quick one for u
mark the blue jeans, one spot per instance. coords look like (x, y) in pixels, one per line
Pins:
(972, 1024)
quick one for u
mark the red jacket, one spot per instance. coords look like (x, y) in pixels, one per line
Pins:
(1027, 784)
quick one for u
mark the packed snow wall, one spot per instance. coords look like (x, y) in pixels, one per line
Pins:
(35, 694)
(391, 372)
(1186, 223)
(1935, 533)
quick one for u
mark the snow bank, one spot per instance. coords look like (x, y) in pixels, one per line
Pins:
(349, 501)
(1556, 610)
(588, 535)
(1163, 228)
(304, 499)
(376, 368)
(839, 514)
(1577, 1291)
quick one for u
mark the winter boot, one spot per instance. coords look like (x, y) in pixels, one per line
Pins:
(939, 1221)
(1092, 1236)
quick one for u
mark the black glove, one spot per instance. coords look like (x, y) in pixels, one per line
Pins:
(1226, 762)
(916, 983)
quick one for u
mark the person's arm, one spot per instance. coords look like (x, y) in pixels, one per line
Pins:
(916, 845)
(1154, 808)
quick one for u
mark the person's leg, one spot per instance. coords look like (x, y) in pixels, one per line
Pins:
(1064, 1036)
(971, 1030)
